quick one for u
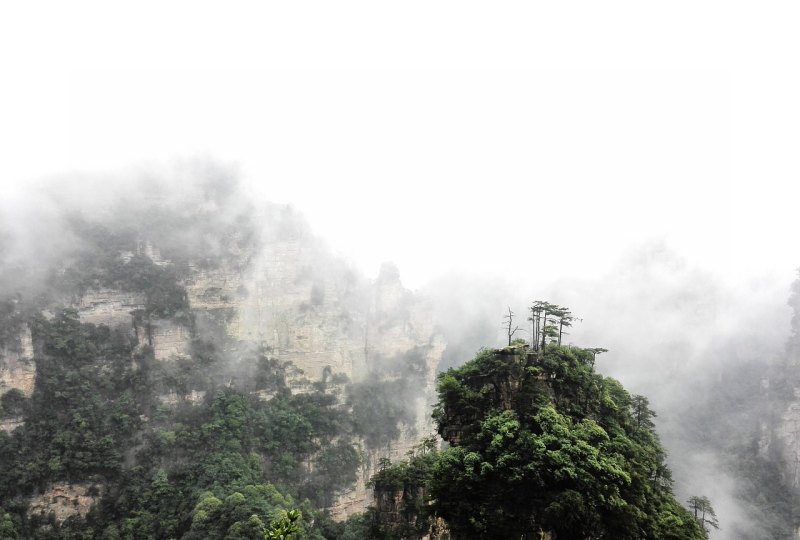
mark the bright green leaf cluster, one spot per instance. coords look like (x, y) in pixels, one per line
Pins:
(539, 442)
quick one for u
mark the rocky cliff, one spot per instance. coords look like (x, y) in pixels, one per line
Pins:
(17, 367)
(63, 500)
(778, 437)
(285, 293)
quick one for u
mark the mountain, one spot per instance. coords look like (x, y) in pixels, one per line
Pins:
(540, 446)
(174, 350)
(175, 359)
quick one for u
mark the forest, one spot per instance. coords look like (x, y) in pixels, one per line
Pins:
(535, 441)
(223, 435)
(539, 443)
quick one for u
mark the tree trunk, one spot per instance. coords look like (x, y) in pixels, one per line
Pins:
(560, 329)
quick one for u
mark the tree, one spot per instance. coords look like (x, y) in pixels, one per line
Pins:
(12, 403)
(565, 319)
(642, 414)
(543, 317)
(508, 325)
(7, 529)
(703, 512)
(539, 313)
(595, 351)
(547, 446)
(283, 528)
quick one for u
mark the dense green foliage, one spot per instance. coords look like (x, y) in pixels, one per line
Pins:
(96, 415)
(105, 413)
(413, 516)
(539, 442)
(212, 443)
(83, 410)
(283, 528)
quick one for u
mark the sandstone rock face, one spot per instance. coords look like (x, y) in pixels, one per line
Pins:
(778, 436)
(356, 499)
(168, 339)
(17, 368)
(305, 306)
(311, 309)
(10, 424)
(210, 289)
(173, 398)
(115, 308)
(109, 307)
(314, 311)
(63, 500)
(788, 436)
(219, 293)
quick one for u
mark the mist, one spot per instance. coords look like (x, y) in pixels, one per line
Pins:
(703, 351)
(636, 164)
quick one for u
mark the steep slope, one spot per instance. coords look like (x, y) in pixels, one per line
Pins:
(541, 446)
(774, 461)
(164, 310)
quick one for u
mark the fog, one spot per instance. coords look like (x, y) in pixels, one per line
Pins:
(636, 164)
(704, 351)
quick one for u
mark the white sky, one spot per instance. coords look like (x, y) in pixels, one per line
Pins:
(483, 137)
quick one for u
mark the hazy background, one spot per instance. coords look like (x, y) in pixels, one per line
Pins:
(636, 162)
(428, 134)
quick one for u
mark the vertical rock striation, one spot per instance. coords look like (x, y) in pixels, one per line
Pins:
(283, 292)
(17, 367)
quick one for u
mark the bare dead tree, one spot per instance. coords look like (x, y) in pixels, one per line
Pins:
(509, 325)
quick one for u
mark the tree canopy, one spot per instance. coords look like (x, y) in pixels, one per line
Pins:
(540, 442)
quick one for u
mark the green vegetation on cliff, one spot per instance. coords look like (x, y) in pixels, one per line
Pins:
(539, 442)
(221, 440)
(212, 444)
(199, 470)
(225, 441)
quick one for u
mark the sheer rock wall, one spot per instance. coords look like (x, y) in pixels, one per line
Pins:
(17, 368)
(306, 307)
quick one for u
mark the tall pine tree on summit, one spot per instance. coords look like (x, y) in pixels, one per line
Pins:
(541, 443)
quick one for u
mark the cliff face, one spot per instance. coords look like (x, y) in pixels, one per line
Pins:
(317, 313)
(62, 500)
(305, 307)
(17, 367)
(109, 306)
(778, 441)
(778, 449)
(289, 295)
(787, 440)
(17, 371)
